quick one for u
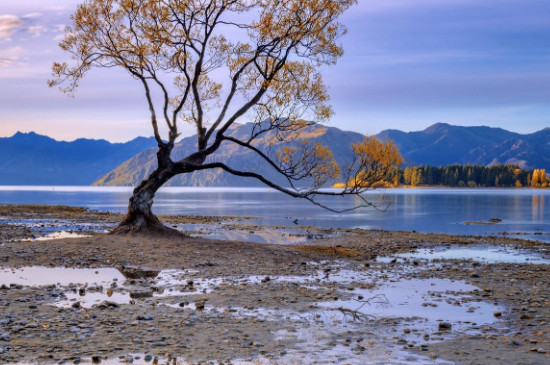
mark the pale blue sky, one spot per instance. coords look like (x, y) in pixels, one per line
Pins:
(408, 64)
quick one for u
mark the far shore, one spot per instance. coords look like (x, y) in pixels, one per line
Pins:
(261, 188)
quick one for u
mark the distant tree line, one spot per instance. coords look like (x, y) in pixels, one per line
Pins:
(471, 176)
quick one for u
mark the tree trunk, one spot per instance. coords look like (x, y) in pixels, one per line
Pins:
(140, 217)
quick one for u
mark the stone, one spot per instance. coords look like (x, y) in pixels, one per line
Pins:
(445, 326)
(133, 272)
(107, 304)
(146, 317)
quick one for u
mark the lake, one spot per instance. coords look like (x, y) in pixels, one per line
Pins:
(523, 213)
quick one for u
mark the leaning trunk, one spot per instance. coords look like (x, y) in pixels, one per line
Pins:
(140, 217)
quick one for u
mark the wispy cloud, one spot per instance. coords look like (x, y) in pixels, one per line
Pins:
(8, 25)
(37, 30)
(10, 56)
(32, 15)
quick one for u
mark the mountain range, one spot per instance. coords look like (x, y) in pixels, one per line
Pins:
(32, 159)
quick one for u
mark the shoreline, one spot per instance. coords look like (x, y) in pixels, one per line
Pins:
(272, 304)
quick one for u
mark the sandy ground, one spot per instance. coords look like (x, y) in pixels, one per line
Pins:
(237, 302)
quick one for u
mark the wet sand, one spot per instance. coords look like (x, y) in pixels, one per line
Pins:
(331, 300)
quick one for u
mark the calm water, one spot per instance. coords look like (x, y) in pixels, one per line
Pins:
(524, 212)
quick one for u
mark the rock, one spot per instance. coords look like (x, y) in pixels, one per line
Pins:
(148, 358)
(407, 330)
(497, 314)
(147, 317)
(76, 305)
(133, 272)
(141, 294)
(5, 337)
(107, 304)
(445, 326)
(199, 306)
(96, 359)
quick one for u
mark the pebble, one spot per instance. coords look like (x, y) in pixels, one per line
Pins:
(445, 326)
(147, 317)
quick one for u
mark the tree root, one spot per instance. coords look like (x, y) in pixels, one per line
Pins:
(152, 227)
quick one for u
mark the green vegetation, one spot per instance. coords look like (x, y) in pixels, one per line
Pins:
(473, 176)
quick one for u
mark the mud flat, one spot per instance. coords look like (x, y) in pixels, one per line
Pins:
(350, 297)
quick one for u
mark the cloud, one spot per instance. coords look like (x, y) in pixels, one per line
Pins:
(10, 56)
(8, 25)
(32, 15)
(36, 30)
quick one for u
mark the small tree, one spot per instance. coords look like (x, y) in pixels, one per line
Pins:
(211, 63)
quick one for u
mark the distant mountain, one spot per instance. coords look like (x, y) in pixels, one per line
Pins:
(444, 144)
(440, 144)
(33, 159)
(136, 169)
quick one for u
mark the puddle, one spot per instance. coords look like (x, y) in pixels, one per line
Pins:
(429, 300)
(487, 254)
(45, 276)
(51, 229)
(263, 234)
(58, 236)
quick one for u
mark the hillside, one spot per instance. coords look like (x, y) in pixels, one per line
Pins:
(33, 159)
(440, 144)
(134, 170)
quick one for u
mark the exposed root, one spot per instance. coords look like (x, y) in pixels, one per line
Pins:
(141, 225)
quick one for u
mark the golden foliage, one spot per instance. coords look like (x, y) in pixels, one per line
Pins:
(176, 45)
(539, 178)
(374, 166)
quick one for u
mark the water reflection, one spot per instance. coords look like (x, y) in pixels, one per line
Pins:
(537, 207)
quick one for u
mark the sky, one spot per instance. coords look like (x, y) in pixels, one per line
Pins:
(407, 65)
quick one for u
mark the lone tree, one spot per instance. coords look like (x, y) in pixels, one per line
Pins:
(212, 63)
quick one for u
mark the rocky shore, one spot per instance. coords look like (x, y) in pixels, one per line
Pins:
(349, 297)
